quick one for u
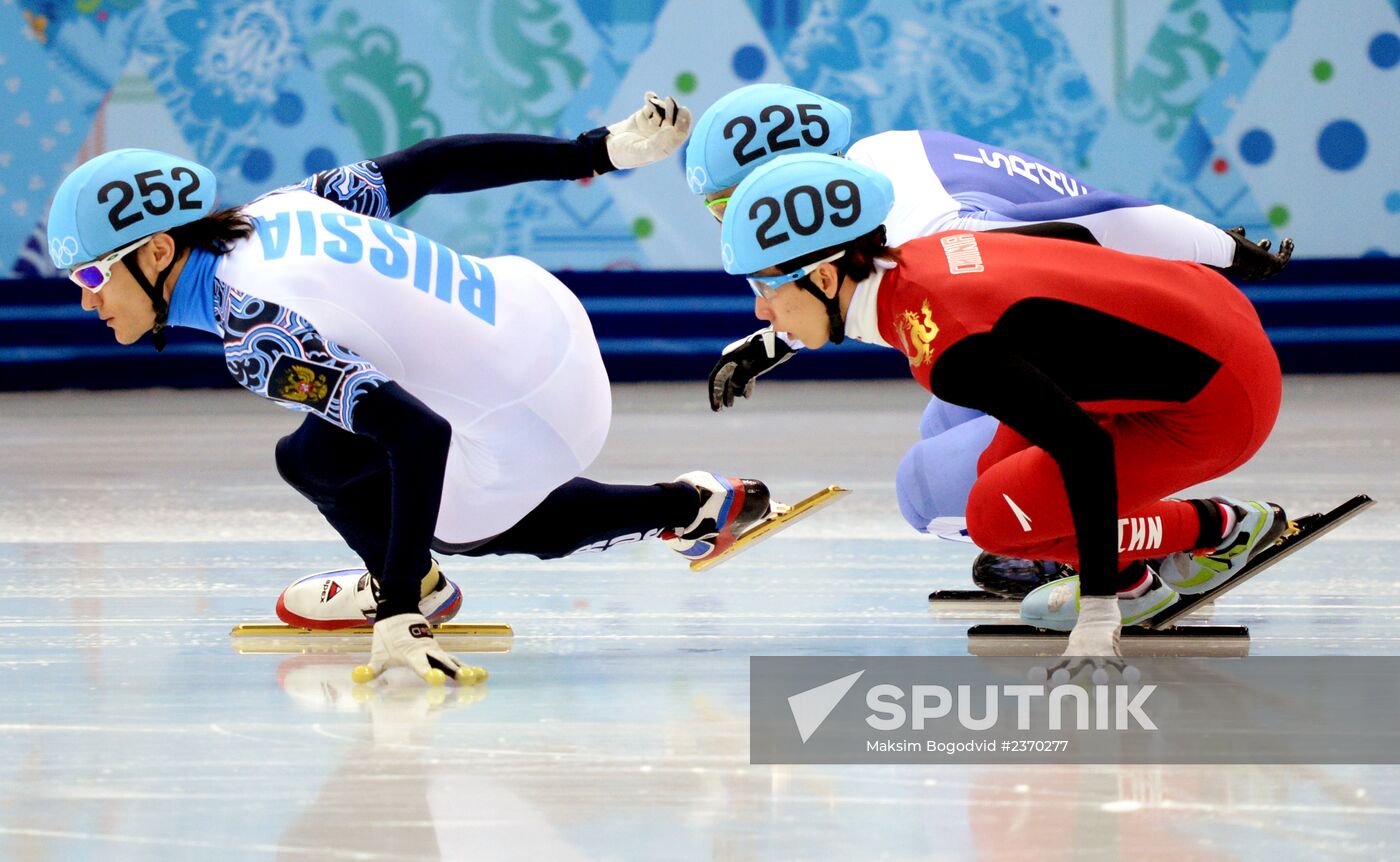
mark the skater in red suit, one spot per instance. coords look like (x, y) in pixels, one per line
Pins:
(1118, 380)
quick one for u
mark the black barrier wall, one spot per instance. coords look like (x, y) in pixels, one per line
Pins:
(1324, 316)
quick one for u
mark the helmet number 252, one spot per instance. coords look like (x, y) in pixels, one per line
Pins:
(157, 197)
(841, 196)
(815, 131)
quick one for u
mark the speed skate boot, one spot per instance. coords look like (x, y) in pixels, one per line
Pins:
(728, 507)
(1013, 577)
(1255, 526)
(1055, 605)
(346, 598)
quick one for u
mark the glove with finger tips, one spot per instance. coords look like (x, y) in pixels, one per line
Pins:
(659, 111)
(1098, 629)
(407, 640)
(650, 135)
(742, 362)
(1255, 261)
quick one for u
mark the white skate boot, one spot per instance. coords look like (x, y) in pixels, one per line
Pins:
(1257, 526)
(1055, 605)
(728, 507)
(345, 598)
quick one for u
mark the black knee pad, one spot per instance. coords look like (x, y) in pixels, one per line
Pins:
(295, 469)
(288, 464)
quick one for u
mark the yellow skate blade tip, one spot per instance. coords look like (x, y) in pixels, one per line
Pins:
(780, 518)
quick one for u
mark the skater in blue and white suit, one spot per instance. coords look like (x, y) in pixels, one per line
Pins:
(453, 400)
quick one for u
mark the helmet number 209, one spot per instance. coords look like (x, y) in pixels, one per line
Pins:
(157, 197)
(815, 131)
(840, 195)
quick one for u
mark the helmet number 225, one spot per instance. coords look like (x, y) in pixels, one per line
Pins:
(815, 131)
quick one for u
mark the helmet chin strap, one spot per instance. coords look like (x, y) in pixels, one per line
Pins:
(156, 293)
(835, 322)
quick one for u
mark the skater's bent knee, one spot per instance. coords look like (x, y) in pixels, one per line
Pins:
(940, 416)
(915, 502)
(288, 463)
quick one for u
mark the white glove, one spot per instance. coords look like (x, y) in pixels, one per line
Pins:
(650, 135)
(1097, 630)
(407, 640)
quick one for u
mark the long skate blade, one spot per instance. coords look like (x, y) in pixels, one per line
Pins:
(1193, 640)
(981, 605)
(970, 599)
(278, 630)
(972, 605)
(1307, 529)
(1031, 633)
(278, 639)
(781, 518)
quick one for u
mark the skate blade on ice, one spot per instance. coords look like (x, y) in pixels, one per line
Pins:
(277, 638)
(982, 605)
(1301, 531)
(1162, 628)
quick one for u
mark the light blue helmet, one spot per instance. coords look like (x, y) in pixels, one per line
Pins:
(119, 197)
(754, 125)
(796, 205)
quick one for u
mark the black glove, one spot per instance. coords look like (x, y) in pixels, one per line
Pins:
(741, 363)
(1253, 262)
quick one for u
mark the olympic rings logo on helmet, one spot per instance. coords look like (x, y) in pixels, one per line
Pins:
(63, 251)
(800, 204)
(697, 178)
(753, 125)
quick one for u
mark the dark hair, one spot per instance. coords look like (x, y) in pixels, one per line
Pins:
(216, 232)
(859, 260)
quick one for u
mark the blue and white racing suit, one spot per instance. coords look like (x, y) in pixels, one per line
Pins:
(325, 303)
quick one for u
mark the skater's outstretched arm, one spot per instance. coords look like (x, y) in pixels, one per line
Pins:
(388, 185)
(468, 163)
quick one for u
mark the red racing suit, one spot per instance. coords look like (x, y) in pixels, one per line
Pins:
(1118, 380)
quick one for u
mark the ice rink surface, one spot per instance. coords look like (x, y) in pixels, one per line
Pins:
(137, 528)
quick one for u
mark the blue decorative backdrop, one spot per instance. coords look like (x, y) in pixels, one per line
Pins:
(1280, 115)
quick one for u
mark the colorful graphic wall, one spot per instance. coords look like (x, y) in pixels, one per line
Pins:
(1281, 115)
